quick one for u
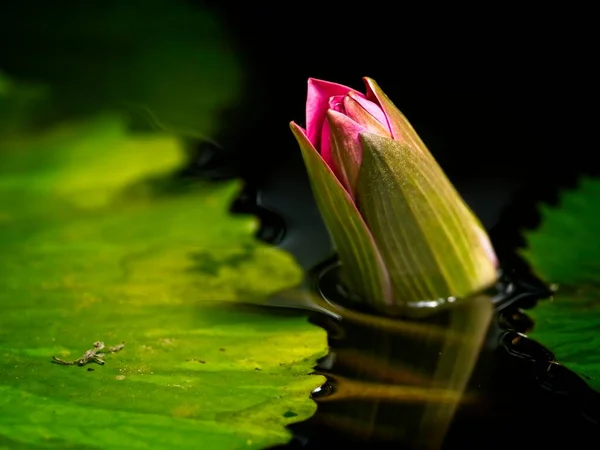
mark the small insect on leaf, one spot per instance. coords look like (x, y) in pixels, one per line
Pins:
(91, 355)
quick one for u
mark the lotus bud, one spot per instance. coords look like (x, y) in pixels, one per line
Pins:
(406, 240)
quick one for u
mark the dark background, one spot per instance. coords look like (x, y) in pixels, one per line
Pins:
(496, 93)
(504, 96)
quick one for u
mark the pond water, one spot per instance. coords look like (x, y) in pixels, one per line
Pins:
(520, 397)
(517, 396)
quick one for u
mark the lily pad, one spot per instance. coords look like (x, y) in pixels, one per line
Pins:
(97, 245)
(564, 250)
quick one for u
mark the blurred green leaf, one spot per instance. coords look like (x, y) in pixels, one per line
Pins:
(168, 63)
(564, 250)
(94, 247)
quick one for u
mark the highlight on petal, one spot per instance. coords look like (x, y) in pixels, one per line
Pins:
(337, 103)
(325, 147)
(398, 124)
(346, 149)
(365, 111)
(317, 103)
(363, 269)
(428, 237)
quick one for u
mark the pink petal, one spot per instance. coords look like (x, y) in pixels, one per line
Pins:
(325, 139)
(337, 103)
(370, 94)
(317, 104)
(372, 108)
(346, 149)
(356, 111)
(374, 98)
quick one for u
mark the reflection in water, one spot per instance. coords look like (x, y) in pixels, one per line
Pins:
(516, 398)
(397, 380)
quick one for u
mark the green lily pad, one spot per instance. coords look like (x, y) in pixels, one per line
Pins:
(564, 250)
(96, 245)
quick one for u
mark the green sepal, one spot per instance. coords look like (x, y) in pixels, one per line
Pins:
(402, 130)
(432, 244)
(363, 269)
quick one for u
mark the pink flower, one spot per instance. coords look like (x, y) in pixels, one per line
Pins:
(348, 113)
(403, 234)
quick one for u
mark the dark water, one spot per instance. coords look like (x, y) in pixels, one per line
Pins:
(525, 399)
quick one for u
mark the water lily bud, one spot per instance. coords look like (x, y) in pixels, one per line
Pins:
(406, 239)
